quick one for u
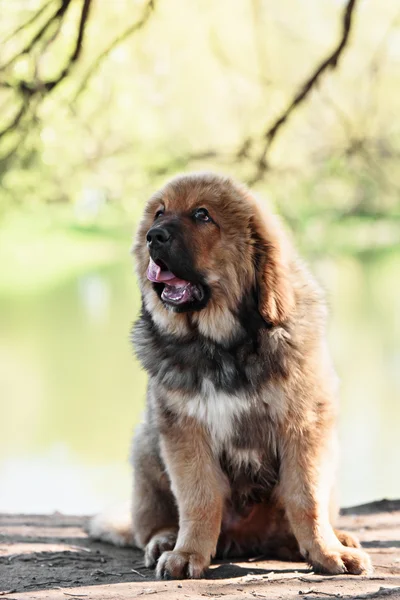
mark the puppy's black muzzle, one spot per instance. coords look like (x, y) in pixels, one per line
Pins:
(167, 248)
(158, 238)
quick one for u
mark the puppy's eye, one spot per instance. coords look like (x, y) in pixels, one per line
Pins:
(201, 214)
(159, 213)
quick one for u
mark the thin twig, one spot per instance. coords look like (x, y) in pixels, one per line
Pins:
(79, 548)
(51, 38)
(383, 591)
(15, 121)
(40, 583)
(38, 35)
(115, 42)
(50, 85)
(137, 573)
(31, 20)
(311, 591)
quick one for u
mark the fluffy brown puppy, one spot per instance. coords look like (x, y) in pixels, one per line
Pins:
(237, 451)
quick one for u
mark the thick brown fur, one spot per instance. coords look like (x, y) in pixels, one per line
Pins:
(237, 452)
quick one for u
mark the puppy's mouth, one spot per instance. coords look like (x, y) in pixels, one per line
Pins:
(176, 291)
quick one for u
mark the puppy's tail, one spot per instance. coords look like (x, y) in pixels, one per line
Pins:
(113, 526)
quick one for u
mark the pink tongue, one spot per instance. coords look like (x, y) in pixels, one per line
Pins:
(155, 274)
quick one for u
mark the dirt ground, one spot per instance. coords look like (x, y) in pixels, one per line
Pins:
(51, 557)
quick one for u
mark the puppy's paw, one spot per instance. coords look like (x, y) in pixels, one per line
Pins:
(181, 565)
(347, 539)
(160, 542)
(342, 560)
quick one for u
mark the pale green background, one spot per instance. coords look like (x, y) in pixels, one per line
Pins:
(199, 76)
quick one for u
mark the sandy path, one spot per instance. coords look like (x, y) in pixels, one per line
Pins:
(51, 557)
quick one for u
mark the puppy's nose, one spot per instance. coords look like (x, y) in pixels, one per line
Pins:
(157, 236)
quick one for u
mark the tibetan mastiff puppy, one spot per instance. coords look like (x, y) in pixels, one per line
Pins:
(236, 455)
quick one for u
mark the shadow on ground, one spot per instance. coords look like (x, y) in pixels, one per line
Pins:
(53, 552)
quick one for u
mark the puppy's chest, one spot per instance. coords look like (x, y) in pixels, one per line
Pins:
(234, 422)
(243, 434)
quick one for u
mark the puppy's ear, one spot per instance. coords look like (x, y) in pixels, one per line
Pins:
(271, 250)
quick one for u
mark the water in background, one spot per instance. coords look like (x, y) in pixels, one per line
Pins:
(71, 390)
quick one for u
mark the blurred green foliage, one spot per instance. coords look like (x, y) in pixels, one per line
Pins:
(183, 92)
(184, 86)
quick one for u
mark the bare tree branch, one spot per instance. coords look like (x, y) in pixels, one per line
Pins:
(50, 85)
(115, 42)
(330, 62)
(30, 93)
(53, 36)
(244, 152)
(33, 90)
(29, 22)
(39, 34)
(15, 120)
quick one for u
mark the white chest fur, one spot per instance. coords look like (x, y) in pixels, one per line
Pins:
(218, 411)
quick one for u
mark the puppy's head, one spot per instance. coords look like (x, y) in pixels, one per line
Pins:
(204, 245)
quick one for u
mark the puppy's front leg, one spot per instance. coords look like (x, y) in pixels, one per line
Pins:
(307, 472)
(199, 488)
